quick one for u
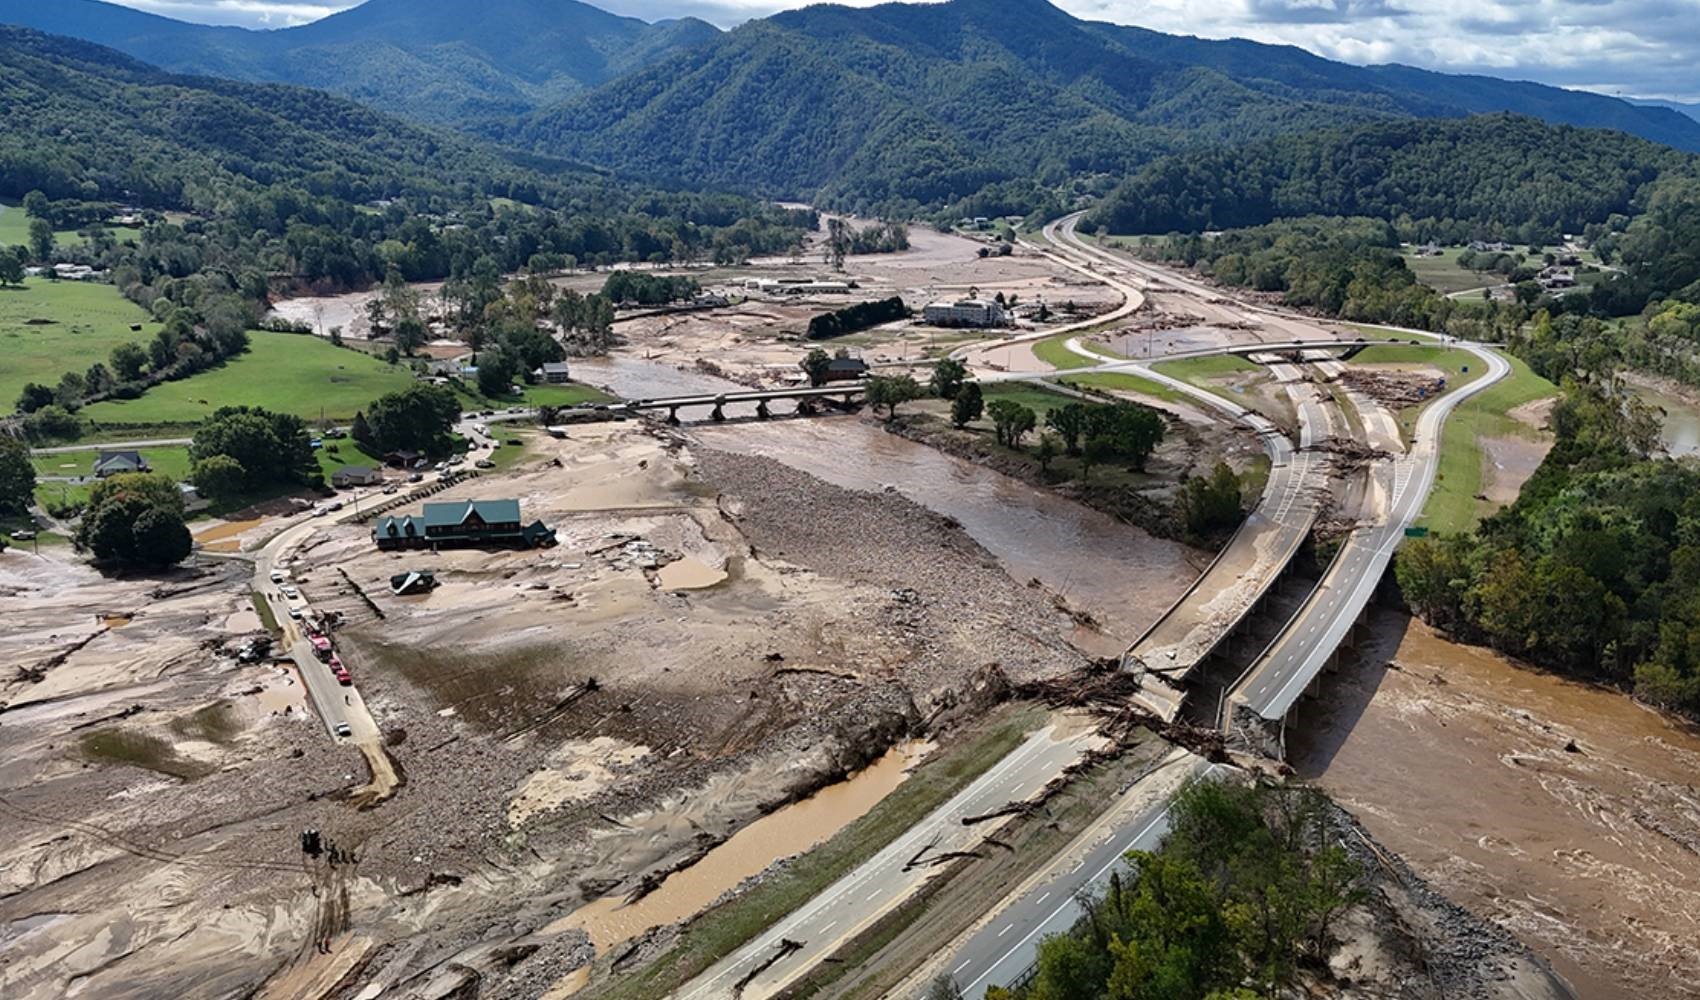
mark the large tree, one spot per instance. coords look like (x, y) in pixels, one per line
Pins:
(270, 448)
(418, 418)
(17, 477)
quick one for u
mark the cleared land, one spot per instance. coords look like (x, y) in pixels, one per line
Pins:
(15, 229)
(1452, 506)
(285, 372)
(1445, 275)
(50, 327)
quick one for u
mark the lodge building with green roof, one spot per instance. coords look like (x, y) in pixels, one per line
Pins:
(463, 524)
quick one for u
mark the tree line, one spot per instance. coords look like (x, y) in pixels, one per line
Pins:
(1594, 570)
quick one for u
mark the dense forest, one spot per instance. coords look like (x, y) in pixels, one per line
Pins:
(1451, 180)
(1595, 570)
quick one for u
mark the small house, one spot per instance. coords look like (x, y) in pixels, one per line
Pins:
(845, 370)
(356, 475)
(553, 373)
(112, 463)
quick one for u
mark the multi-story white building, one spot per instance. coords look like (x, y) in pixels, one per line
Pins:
(965, 312)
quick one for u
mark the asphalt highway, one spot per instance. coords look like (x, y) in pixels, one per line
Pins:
(855, 901)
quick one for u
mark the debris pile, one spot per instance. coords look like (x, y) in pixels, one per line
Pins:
(1393, 389)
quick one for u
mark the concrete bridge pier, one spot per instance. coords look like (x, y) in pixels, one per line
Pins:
(673, 415)
(762, 410)
(719, 412)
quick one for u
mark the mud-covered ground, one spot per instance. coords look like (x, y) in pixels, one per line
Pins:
(715, 634)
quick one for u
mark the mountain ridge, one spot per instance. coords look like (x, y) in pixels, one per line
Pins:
(423, 59)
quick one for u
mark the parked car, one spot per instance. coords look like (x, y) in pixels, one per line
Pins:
(485, 463)
(295, 613)
(23, 535)
(289, 591)
(278, 576)
(343, 678)
(343, 730)
(390, 489)
(417, 477)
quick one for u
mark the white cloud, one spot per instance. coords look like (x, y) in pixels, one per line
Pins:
(1638, 47)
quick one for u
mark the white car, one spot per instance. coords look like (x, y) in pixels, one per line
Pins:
(343, 730)
(289, 592)
(295, 612)
(278, 576)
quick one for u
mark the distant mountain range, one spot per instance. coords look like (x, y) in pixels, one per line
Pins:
(1691, 110)
(442, 61)
(895, 106)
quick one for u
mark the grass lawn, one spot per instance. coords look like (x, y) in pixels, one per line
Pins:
(1055, 352)
(721, 930)
(285, 372)
(174, 462)
(1452, 505)
(1195, 370)
(1029, 394)
(340, 453)
(1444, 275)
(15, 229)
(50, 327)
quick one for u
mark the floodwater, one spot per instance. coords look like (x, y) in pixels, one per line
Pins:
(1124, 577)
(1567, 813)
(780, 834)
(689, 573)
(1679, 429)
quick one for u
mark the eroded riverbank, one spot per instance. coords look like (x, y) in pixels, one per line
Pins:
(1566, 813)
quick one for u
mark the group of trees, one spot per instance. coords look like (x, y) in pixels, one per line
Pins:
(647, 289)
(1098, 433)
(135, 521)
(844, 239)
(244, 449)
(418, 418)
(855, 318)
(1244, 892)
(1594, 570)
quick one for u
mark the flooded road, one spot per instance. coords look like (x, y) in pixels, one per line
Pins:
(1124, 577)
(1566, 813)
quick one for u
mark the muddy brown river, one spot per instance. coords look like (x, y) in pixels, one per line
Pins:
(1462, 762)
(1123, 576)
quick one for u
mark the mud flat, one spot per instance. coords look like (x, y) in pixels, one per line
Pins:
(1565, 813)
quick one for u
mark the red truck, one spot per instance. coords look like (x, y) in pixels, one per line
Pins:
(321, 648)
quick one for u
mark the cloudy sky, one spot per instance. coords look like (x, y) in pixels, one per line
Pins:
(1646, 48)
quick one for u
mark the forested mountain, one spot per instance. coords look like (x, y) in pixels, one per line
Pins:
(904, 105)
(1489, 176)
(81, 121)
(443, 61)
(278, 176)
